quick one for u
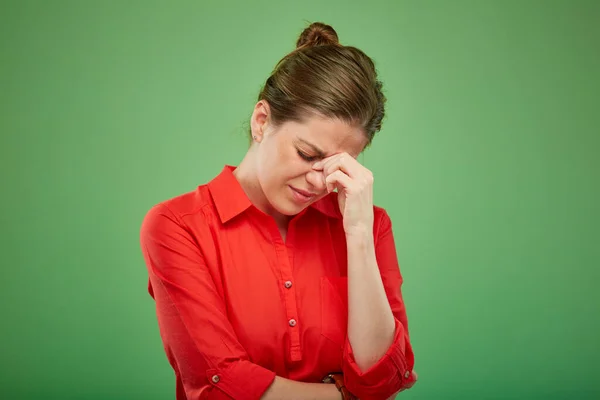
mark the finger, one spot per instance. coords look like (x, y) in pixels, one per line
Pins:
(338, 179)
(319, 164)
(344, 162)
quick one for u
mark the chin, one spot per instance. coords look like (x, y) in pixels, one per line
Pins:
(288, 207)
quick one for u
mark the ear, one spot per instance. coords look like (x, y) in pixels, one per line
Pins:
(260, 120)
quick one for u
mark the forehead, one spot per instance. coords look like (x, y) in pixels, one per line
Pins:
(332, 136)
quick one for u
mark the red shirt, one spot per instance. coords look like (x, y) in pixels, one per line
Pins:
(236, 305)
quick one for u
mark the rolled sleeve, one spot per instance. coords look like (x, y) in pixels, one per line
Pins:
(390, 374)
(240, 380)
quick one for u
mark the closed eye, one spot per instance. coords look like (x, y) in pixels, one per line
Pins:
(305, 156)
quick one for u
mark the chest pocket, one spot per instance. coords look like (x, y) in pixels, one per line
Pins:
(334, 309)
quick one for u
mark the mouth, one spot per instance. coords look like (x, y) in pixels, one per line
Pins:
(302, 196)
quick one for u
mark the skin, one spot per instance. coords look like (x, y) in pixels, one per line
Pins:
(316, 156)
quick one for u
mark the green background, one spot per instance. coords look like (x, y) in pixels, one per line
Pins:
(488, 164)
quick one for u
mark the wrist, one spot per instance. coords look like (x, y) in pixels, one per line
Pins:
(360, 234)
(360, 244)
(337, 382)
(333, 393)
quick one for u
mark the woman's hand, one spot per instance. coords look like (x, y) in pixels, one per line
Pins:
(354, 183)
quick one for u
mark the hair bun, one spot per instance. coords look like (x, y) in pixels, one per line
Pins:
(317, 34)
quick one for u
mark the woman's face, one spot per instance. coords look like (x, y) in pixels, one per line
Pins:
(285, 155)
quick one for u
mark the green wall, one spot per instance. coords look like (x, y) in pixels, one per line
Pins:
(488, 164)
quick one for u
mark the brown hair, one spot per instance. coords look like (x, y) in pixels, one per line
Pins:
(325, 78)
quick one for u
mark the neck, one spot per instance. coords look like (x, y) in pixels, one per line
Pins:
(246, 175)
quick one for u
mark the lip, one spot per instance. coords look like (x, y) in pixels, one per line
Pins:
(302, 196)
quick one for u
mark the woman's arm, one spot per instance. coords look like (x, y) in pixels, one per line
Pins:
(371, 323)
(373, 370)
(378, 358)
(282, 389)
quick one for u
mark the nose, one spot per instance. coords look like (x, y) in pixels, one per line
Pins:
(316, 180)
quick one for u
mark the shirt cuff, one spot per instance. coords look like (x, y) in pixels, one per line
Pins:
(390, 374)
(241, 379)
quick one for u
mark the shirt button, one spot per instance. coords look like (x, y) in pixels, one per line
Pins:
(288, 284)
(215, 378)
(407, 374)
(292, 322)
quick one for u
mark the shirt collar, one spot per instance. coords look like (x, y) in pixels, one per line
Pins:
(231, 200)
(228, 195)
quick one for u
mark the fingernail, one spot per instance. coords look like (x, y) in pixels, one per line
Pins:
(316, 165)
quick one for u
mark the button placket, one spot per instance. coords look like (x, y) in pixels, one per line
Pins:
(285, 252)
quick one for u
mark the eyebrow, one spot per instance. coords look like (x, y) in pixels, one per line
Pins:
(317, 150)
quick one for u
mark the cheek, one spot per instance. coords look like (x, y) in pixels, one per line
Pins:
(274, 177)
(279, 168)
(289, 167)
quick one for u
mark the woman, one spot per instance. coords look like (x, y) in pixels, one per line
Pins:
(280, 274)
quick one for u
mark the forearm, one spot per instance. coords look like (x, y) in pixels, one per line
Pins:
(283, 389)
(371, 322)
